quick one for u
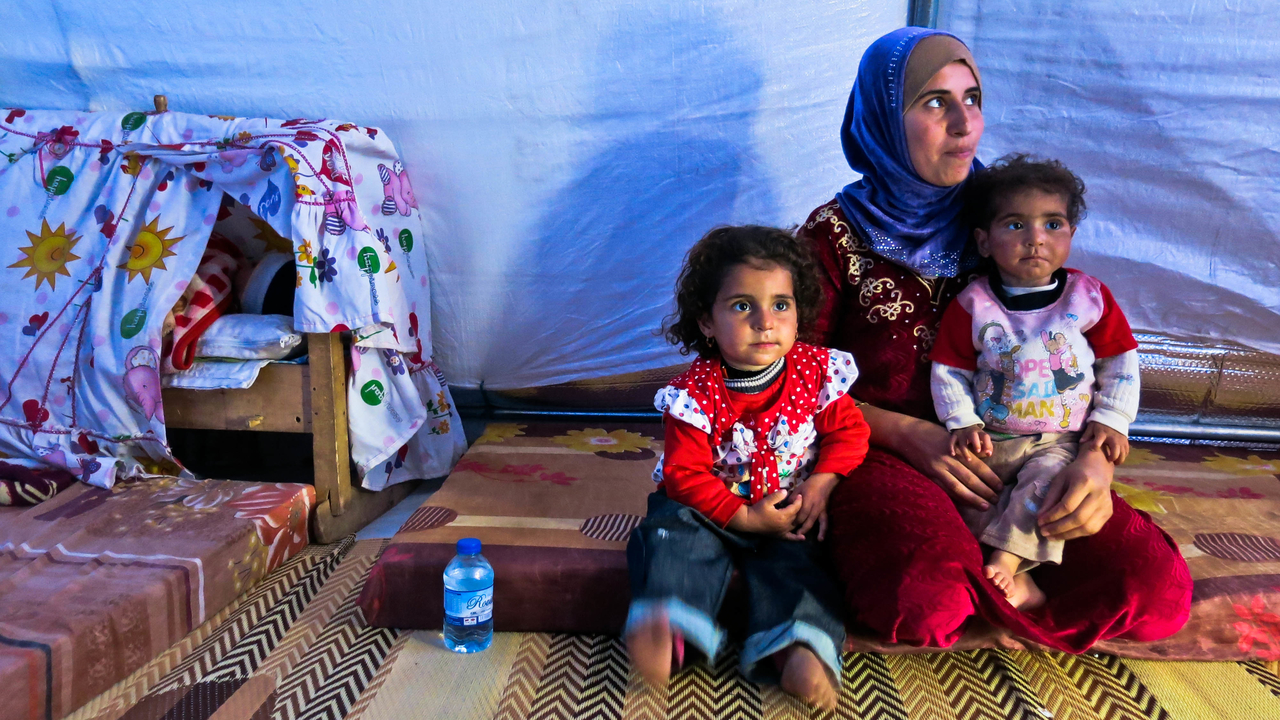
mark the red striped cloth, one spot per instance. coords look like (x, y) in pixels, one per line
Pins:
(208, 297)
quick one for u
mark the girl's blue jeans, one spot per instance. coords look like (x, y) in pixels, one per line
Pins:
(681, 563)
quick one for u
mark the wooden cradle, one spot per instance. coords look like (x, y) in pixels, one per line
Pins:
(307, 398)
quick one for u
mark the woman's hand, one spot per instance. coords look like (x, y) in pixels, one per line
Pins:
(766, 518)
(1079, 499)
(927, 447)
(815, 492)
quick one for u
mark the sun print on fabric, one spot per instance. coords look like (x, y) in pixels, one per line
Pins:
(499, 432)
(148, 250)
(48, 254)
(595, 440)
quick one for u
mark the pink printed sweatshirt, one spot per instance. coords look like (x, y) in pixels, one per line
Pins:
(1050, 369)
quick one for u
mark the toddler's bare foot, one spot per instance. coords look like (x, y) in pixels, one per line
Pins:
(804, 676)
(1020, 590)
(1001, 579)
(1030, 595)
(649, 646)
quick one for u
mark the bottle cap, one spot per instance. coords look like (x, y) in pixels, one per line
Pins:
(468, 546)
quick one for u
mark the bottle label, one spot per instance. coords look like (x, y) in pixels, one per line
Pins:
(468, 608)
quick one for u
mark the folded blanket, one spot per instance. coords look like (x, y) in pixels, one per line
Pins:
(21, 485)
(205, 374)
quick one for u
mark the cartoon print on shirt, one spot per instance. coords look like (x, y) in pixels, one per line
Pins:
(741, 485)
(340, 213)
(1061, 361)
(997, 401)
(333, 164)
(81, 466)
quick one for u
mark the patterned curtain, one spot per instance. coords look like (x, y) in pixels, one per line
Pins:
(105, 217)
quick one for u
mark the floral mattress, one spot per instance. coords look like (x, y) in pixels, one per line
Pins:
(554, 504)
(94, 583)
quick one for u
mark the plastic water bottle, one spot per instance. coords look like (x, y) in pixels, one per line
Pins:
(468, 599)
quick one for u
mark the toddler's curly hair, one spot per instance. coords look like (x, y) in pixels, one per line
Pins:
(711, 258)
(995, 184)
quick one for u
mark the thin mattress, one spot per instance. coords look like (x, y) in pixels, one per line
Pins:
(94, 583)
(554, 504)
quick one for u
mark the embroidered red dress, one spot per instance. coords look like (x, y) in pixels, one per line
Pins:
(911, 570)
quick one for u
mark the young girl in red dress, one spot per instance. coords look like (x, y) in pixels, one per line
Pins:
(759, 431)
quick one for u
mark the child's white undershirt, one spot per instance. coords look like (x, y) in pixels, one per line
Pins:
(1010, 290)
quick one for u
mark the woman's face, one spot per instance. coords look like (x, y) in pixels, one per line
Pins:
(944, 126)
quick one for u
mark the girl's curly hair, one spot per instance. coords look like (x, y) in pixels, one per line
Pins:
(711, 259)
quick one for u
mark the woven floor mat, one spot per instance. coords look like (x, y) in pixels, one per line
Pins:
(298, 647)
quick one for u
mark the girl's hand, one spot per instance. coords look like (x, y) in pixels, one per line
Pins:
(1113, 443)
(973, 439)
(1078, 503)
(814, 492)
(765, 518)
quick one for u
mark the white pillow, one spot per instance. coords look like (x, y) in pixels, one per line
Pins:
(249, 337)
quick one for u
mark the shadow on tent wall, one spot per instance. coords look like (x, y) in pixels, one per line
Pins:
(688, 93)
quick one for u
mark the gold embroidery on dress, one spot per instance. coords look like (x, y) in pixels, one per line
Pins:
(872, 287)
(845, 239)
(824, 213)
(888, 310)
(893, 308)
(927, 335)
(937, 288)
(858, 265)
(851, 239)
(931, 286)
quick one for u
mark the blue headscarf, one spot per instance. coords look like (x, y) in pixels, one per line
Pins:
(904, 218)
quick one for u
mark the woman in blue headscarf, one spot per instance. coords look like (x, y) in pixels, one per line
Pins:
(894, 252)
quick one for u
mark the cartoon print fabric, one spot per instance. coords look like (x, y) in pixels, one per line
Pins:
(107, 216)
(1033, 370)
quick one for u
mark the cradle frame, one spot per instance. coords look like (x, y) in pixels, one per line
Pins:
(309, 399)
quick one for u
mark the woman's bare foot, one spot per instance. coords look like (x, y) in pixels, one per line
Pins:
(804, 676)
(649, 645)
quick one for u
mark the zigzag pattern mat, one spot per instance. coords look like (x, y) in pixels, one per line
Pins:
(297, 647)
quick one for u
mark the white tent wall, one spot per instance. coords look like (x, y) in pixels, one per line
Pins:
(1168, 110)
(565, 154)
